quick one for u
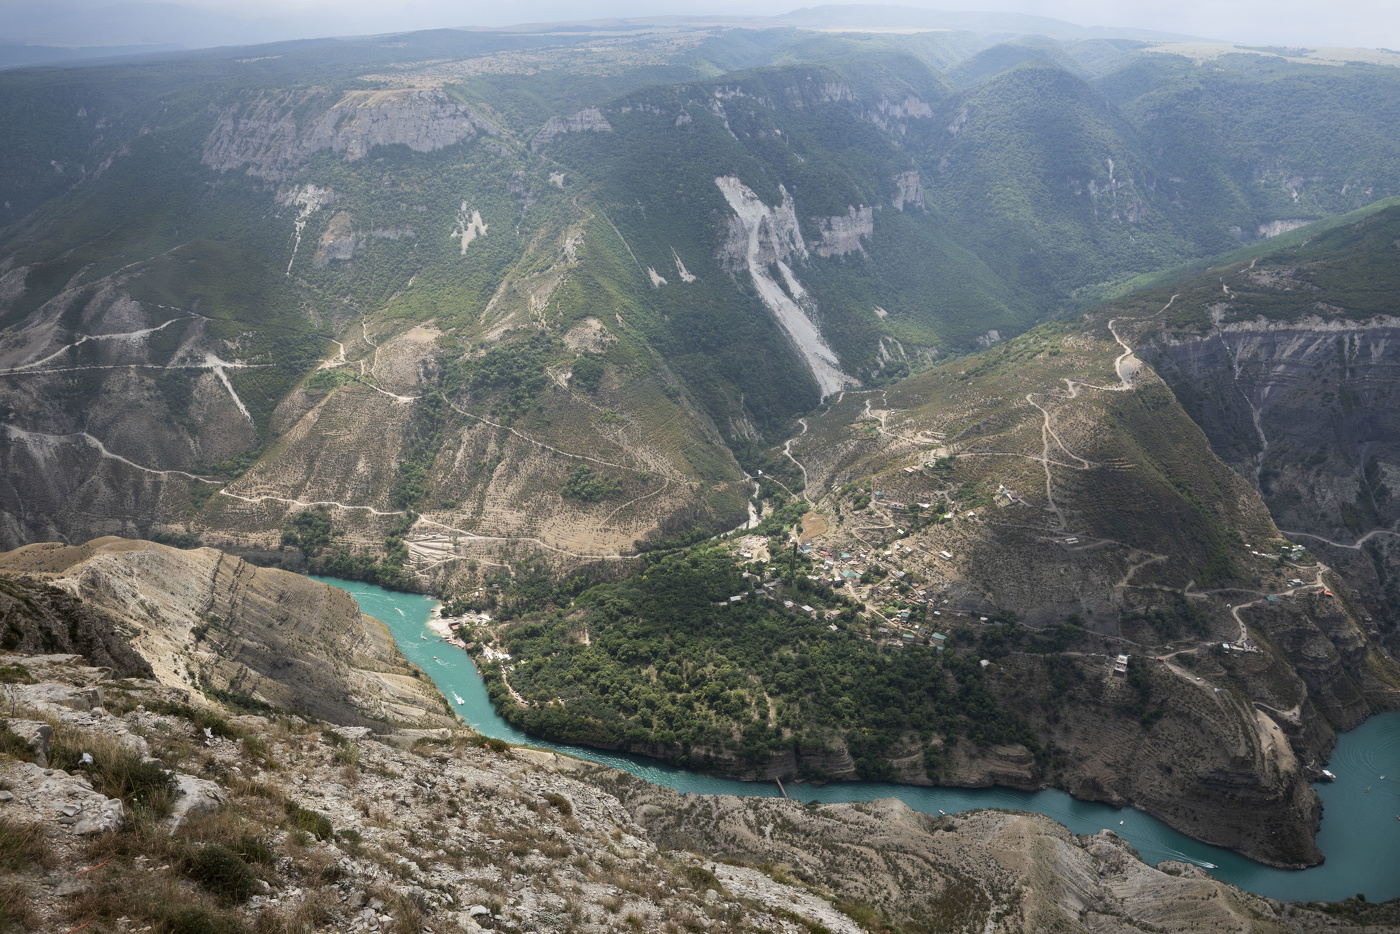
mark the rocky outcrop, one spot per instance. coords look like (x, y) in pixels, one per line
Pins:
(841, 234)
(590, 120)
(338, 242)
(39, 619)
(1011, 871)
(757, 233)
(205, 619)
(908, 190)
(43, 795)
(266, 136)
(759, 237)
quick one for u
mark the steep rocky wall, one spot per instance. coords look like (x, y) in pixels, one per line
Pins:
(759, 237)
(204, 618)
(38, 619)
(266, 135)
(1306, 413)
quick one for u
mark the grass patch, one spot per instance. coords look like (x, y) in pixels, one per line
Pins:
(115, 770)
(15, 674)
(23, 846)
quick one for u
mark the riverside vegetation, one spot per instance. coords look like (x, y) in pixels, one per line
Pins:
(190, 819)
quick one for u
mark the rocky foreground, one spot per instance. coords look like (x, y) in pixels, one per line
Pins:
(185, 820)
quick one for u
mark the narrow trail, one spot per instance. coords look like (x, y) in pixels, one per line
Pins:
(337, 360)
(212, 363)
(541, 444)
(787, 452)
(1047, 431)
(268, 498)
(473, 536)
(220, 369)
(1045, 462)
(1353, 547)
(666, 482)
(1123, 584)
(127, 335)
(13, 434)
(1235, 610)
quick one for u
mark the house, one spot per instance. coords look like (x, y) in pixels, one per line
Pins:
(808, 610)
(788, 604)
(947, 555)
(736, 598)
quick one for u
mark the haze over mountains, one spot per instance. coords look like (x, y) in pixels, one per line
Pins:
(786, 401)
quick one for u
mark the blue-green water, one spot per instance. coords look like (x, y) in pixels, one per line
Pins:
(1360, 834)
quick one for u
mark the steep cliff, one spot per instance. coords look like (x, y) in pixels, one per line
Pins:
(252, 636)
(274, 135)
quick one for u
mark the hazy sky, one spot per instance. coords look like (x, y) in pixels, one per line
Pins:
(1365, 23)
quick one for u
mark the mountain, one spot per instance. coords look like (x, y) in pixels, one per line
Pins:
(1041, 506)
(1284, 361)
(527, 320)
(407, 248)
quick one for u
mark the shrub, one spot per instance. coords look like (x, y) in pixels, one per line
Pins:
(223, 873)
(14, 745)
(16, 910)
(15, 674)
(560, 803)
(252, 850)
(308, 821)
(201, 921)
(587, 487)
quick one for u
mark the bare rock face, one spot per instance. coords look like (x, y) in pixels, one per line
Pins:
(759, 237)
(908, 190)
(36, 734)
(275, 637)
(37, 618)
(339, 241)
(909, 865)
(553, 837)
(43, 794)
(768, 235)
(264, 134)
(841, 235)
(590, 120)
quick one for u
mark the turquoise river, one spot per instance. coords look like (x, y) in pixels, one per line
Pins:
(1360, 835)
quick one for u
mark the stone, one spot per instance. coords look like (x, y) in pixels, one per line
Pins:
(478, 911)
(36, 733)
(194, 796)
